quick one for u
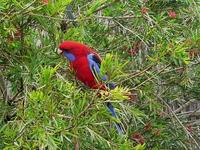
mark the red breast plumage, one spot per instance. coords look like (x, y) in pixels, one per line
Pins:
(80, 65)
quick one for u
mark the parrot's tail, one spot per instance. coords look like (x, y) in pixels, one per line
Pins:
(118, 126)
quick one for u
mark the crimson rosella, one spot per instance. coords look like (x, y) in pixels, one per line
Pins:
(85, 62)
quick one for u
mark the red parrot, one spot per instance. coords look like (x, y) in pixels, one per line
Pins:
(85, 62)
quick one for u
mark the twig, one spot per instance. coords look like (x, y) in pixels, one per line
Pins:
(173, 114)
(22, 130)
(179, 68)
(25, 8)
(61, 77)
(150, 78)
(195, 122)
(175, 69)
(63, 116)
(127, 29)
(183, 106)
(15, 96)
(90, 104)
(76, 144)
(189, 113)
(104, 6)
(119, 17)
(137, 74)
(23, 11)
(195, 111)
(49, 17)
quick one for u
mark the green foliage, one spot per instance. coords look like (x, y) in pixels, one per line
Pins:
(55, 8)
(149, 48)
(96, 4)
(114, 70)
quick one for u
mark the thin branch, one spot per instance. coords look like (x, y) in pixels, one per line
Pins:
(63, 116)
(150, 78)
(15, 96)
(195, 112)
(184, 128)
(49, 17)
(89, 105)
(183, 106)
(189, 113)
(26, 8)
(119, 17)
(133, 75)
(127, 29)
(105, 6)
(21, 131)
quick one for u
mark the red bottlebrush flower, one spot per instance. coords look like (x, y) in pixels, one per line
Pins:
(194, 53)
(147, 126)
(137, 137)
(132, 97)
(16, 36)
(189, 128)
(45, 1)
(162, 114)
(144, 10)
(156, 132)
(172, 14)
(135, 48)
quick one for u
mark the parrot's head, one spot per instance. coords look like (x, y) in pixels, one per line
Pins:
(73, 50)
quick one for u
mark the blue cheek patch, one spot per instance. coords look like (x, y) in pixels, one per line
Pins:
(69, 56)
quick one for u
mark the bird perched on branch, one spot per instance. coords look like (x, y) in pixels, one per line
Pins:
(85, 62)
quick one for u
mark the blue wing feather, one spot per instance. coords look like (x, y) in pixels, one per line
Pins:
(95, 63)
(112, 111)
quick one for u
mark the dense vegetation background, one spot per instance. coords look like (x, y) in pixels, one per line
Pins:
(154, 54)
